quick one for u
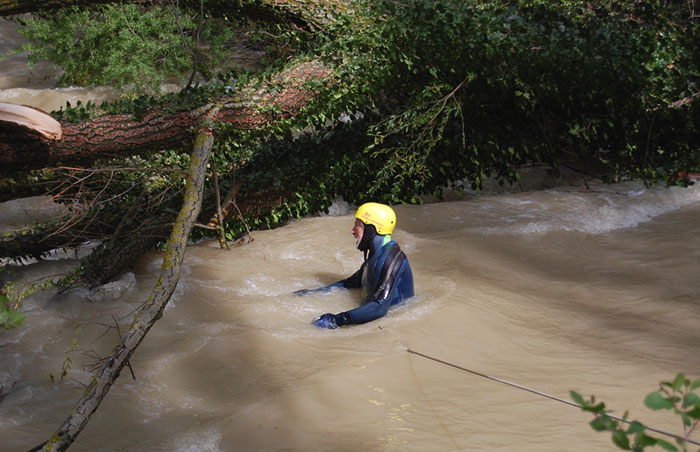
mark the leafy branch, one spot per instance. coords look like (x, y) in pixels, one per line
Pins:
(678, 396)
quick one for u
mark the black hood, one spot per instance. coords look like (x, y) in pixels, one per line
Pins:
(368, 235)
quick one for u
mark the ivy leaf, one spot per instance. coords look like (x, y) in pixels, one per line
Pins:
(598, 425)
(695, 412)
(15, 319)
(695, 385)
(643, 440)
(686, 419)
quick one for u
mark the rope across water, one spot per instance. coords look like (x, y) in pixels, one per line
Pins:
(540, 393)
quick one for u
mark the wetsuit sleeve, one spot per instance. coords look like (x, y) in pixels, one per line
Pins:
(351, 282)
(355, 280)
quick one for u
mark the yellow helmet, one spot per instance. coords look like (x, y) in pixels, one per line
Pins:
(380, 215)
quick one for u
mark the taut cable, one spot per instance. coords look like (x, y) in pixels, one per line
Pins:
(543, 394)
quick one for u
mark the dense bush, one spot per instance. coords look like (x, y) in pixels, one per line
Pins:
(471, 89)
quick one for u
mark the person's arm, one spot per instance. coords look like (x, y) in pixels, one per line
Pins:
(369, 311)
(377, 307)
(355, 280)
(351, 282)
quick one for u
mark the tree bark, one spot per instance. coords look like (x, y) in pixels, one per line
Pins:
(121, 135)
(33, 241)
(153, 308)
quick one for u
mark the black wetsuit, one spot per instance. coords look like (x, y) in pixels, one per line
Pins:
(380, 290)
(386, 279)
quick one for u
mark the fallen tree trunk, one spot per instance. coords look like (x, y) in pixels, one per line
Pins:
(153, 308)
(34, 241)
(24, 148)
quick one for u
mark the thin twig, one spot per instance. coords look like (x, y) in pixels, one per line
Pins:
(220, 217)
(240, 215)
(124, 168)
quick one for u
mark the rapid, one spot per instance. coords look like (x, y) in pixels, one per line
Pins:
(584, 287)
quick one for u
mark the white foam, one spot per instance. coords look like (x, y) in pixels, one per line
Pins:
(339, 208)
(115, 289)
(206, 440)
(592, 212)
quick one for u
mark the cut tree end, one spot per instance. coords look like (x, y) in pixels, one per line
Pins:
(31, 118)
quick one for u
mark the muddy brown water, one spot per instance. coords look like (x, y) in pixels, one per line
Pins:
(593, 290)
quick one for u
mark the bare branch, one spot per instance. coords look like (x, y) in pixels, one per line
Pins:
(153, 308)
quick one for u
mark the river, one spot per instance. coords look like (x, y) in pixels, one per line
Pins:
(588, 288)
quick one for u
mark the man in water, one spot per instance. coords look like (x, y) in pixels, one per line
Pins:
(385, 276)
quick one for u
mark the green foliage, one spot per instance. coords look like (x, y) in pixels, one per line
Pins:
(68, 360)
(124, 45)
(12, 294)
(318, 167)
(10, 316)
(473, 89)
(452, 90)
(183, 100)
(678, 396)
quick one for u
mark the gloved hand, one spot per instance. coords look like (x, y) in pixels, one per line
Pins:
(332, 321)
(328, 288)
(326, 321)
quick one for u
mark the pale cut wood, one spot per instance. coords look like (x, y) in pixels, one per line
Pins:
(31, 118)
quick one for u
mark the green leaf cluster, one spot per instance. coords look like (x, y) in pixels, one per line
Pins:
(10, 316)
(452, 92)
(679, 396)
(124, 45)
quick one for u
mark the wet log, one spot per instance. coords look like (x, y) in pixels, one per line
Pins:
(153, 307)
(120, 135)
(33, 241)
(118, 225)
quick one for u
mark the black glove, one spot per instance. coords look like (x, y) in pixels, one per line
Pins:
(332, 321)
